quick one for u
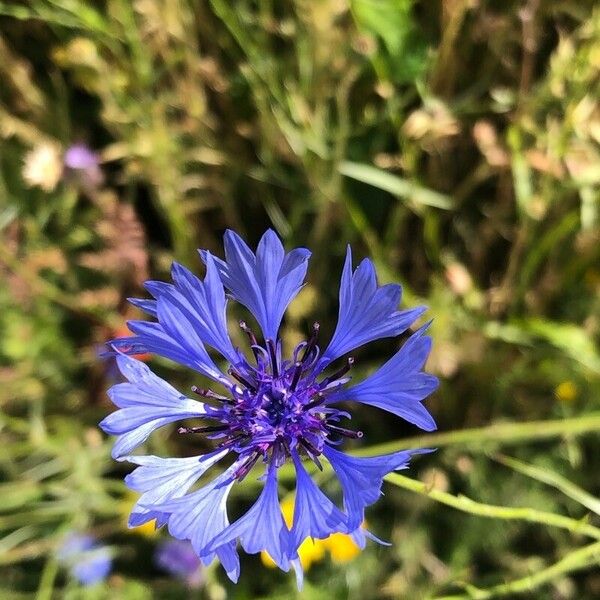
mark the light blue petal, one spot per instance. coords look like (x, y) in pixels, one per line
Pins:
(93, 566)
(361, 478)
(315, 515)
(230, 560)
(367, 312)
(203, 305)
(265, 283)
(145, 403)
(262, 527)
(297, 566)
(399, 386)
(148, 306)
(157, 288)
(200, 517)
(360, 535)
(127, 442)
(164, 479)
(153, 338)
(87, 561)
(181, 330)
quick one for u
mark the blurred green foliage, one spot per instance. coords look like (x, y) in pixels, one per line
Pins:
(456, 142)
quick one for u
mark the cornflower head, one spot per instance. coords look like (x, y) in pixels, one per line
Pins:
(86, 560)
(83, 165)
(270, 409)
(179, 559)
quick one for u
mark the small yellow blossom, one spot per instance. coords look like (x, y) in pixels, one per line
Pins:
(566, 391)
(309, 552)
(341, 547)
(42, 166)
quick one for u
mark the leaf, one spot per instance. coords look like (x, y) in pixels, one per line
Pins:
(572, 339)
(395, 185)
(17, 494)
(392, 21)
(553, 479)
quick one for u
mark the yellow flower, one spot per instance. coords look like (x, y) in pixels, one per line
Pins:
(148, 529)
(566, 391)
(341, 547)
(310, 551)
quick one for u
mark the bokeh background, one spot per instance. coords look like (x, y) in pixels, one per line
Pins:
(456, 142)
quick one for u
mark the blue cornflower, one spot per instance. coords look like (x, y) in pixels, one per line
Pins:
(179, 559)
(87, 561)
(271, 409)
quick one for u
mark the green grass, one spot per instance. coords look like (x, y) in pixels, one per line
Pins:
(456, 143)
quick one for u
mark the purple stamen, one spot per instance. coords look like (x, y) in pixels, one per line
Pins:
(213, 429)
(241, 379)
(232, 441)
(296, 377)
(210, 394)
(253, 341)
(319, 399)
(273, 354)
(345, 432)
(309, 447)
(338, 374)
(246, 466)
(311, 342)
(244, 327)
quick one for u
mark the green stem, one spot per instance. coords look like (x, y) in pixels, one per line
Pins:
(576, 560)
(46, 587)
(491, 511)
(483, 437)
(553, 479)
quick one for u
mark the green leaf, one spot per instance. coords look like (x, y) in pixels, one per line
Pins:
(393, 184)
(553, 479)
(572, 339)
(392, 21)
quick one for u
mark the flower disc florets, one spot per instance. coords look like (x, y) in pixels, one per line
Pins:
(276, 407)
(269, 409)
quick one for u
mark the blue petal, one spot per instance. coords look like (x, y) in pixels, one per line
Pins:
(361, 478)
(88, 562)
(93, 566)
(164, 479)
(360, 535)
(131, 440)
(315, 515)
(148, 306)
(399, 386)
(200, 517)
(145, 403)
(367, 312)
(176, 324)
(74, 544)
(262, 527)
(201, 303)
(157, 288)
(154, 338)
(297, 566)
(265, 283)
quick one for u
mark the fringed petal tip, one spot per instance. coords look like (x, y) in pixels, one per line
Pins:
(265, 282)
(367, 311)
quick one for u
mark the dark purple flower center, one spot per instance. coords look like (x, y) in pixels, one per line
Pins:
(277, 407)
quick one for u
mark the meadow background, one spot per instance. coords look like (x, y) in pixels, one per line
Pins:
(456, 142)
